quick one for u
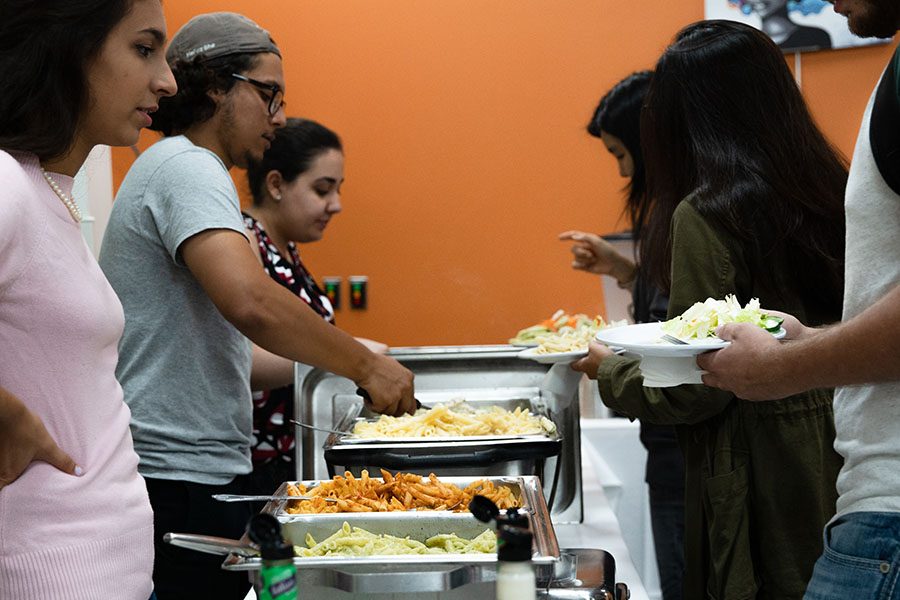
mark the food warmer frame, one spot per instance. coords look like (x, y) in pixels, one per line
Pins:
(322, 399)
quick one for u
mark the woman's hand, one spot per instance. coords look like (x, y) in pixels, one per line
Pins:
(588, 365)
(595, 255)
(24, 439)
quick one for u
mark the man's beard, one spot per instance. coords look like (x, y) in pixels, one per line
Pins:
(880, 18)
(230, 124)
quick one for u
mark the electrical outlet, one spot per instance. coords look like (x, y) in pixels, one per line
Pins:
(358, 291)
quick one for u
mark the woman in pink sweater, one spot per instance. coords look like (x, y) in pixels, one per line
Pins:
(75, 521)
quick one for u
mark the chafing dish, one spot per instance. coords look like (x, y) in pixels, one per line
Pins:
(561, 574)
(412, 573)
(323, 399)
(447, 452)
(418, 525)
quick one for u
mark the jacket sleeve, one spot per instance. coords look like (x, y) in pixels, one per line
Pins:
(702, 267)
(622, 389)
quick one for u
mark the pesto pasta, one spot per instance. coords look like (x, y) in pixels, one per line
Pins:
(354, 541)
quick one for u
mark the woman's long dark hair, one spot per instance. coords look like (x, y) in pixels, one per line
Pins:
(295, 147)
(725, 120)
(619, 114)
(45, 49)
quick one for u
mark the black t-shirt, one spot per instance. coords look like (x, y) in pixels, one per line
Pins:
(884, 129)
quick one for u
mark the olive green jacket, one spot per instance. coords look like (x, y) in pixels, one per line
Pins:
(759, 476)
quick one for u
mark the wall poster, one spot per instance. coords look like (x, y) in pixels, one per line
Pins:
(795, 25)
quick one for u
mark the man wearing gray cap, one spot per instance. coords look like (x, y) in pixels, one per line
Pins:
(192, 288)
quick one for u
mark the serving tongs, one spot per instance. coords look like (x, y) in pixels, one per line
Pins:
(368, 399)
(314, 428)
(254, 498)
(211, 544)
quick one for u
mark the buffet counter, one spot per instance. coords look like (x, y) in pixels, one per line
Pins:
(583, 518)
(600, 529)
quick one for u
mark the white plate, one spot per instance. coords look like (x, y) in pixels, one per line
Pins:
(525, 344)
(556, 357)
(645, 339)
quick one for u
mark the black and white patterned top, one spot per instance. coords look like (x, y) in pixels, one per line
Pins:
(273, 435)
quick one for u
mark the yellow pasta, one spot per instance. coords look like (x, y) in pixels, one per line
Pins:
(456, 419)
(572, 339)
(355, 541)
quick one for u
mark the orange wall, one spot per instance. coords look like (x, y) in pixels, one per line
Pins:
(463, 123)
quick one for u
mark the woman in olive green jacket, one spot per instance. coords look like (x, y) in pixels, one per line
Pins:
(747, 201)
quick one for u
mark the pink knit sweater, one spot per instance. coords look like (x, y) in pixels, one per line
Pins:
(62, 536)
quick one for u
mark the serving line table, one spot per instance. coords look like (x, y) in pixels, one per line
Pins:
(590, 495)
(600, 529)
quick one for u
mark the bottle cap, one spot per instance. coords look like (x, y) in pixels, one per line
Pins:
(483, 508)
(514, 518)
(513, 544)
(265, 531)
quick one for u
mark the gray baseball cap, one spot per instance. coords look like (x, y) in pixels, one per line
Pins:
(212, 35)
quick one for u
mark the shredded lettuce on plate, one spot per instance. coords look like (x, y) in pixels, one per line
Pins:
(701, 320)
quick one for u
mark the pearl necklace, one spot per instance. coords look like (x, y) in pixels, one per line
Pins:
(66, 199)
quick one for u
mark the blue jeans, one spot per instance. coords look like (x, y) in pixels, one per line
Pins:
(861, 559)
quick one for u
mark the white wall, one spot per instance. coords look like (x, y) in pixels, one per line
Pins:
(93, 191)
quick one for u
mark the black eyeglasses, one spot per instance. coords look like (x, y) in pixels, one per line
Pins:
(276, 94)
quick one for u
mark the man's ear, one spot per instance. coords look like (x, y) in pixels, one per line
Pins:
(217, 96)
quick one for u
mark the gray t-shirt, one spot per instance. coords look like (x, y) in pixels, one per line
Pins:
(185, 369)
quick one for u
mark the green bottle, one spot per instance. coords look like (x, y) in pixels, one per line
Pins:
(278, 577)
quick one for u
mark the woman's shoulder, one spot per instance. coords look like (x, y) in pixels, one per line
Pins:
(20, 221)
(695, 202)
(698, 239)
(697, 214)
(16, 187)
(689, 213)
(13, 167)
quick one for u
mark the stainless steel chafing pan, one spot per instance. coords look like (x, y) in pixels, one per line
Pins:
(322, 399)
(422, 453)
(418, 525)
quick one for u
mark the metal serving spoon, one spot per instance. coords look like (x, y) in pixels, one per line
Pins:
(314, 428)
(249, 498)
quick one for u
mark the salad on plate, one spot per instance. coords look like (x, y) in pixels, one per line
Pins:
(561, 333)
(700, 321)
(559, 321)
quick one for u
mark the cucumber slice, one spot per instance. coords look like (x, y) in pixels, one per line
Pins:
(772, 324)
